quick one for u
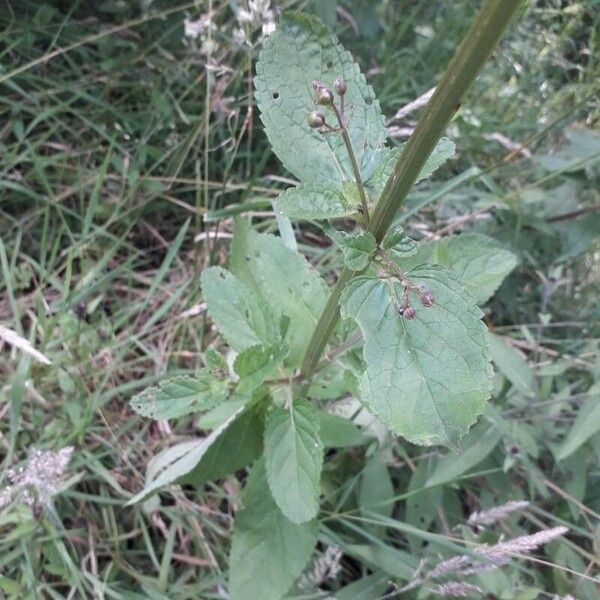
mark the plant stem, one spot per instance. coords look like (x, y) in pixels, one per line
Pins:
(469, 58)
(352, 156)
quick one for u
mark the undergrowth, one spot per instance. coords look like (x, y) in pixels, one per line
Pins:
(129, 141)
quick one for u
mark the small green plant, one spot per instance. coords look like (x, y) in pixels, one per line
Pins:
(424, 366)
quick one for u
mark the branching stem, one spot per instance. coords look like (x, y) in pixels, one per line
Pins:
(471, 55)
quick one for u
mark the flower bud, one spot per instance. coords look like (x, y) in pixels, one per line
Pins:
(409, 313)
(339, 85)
(324, 96)
(316, 119)
(427, 299)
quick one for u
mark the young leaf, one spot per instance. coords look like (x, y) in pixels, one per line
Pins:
(427, 378)
(283, 281)
(358, 248)
(268, 551)
(241, 318)
(180, 396)
(186, 463)
(255, 364)
(301, 51)
(294, 458)
(397, 243)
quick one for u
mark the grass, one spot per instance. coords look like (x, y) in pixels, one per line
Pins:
(125, 148)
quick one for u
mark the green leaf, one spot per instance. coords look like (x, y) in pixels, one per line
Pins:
(239, 445)
(397, 243)
(327, 200)
(338, 432)
(180, 396)
(428, 378)
(375, 493)
(241, 318)
(186, 463)
(211, 419)
(585, 426)
(444, 150)
(421, 505)
(315, 201)
(294, 459)
(512, 365)
(214, 360)
(358, 248)
(473, 449)
(366, 588)
(480, 261)
(283, 281)
(268, 552)
(299, 52)
(255, 364)
(581, 145)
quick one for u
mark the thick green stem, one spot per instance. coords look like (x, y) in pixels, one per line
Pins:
(471, 55)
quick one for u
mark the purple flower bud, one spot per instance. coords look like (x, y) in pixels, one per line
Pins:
(409, 313)
(427, 299)
(324, 96)
(339, 85)
(316, 119)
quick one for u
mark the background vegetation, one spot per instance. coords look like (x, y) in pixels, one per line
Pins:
(129, 139)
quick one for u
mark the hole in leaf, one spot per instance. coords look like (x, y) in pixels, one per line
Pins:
(368, 101)
(329, 64)
(275, 95)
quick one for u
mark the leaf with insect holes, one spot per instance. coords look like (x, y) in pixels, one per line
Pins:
(428, 378)
(294, 459)
(241, 317)
(316, 201)
(179, 396)
(256, 364)
(283, 282)
(299, 52)
(268, 551)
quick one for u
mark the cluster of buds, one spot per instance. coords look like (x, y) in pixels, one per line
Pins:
(325, 97)
(426, 298)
